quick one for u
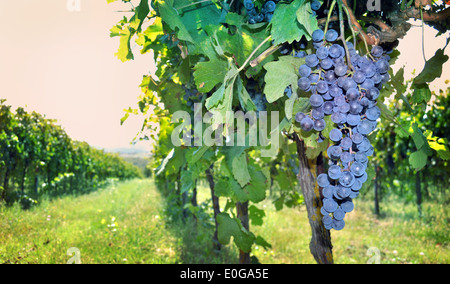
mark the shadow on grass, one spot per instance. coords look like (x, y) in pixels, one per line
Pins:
(196, 244)
(195, 235)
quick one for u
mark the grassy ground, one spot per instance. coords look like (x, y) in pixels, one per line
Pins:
(120, 224)
(365, 238)
(126, 224)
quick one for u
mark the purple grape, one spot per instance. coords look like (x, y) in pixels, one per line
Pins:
(304, 71)
(307, 124)
(322, 87)
(317, 35)
(335, 135)
(317, 113)
(316, 100)
(319, 125)
(322, 52)
(377, 51)
(312, 60)
(299, 116)
(304, 84)
(331, 35)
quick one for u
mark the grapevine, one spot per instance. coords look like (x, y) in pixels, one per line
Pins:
(345, 86)
(302, 59)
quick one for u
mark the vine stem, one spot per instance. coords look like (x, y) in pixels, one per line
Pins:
(365, 42)
(423, 34)
(264, 55)
(356, 24)
(350, 26)
(253, 53)
(330, 12)
(359, 30)
(341, 24)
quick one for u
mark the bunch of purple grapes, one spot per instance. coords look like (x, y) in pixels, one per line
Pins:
(349, 96)
(264, 15)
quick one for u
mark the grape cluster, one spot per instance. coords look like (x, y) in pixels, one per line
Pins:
(349, 96)
(191, 97)
(256, 16)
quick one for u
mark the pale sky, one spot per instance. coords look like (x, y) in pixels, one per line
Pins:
(62, 64)
(411, 55)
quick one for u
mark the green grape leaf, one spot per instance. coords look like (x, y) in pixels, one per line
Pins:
(417, 136)
(227, 228)
(223, 188)
(422, 93)
(281, 74)
(260, 241)
(124, 53)
(231, 227)
(279, 203)
(195, 154)
(329, 126)
(240, 169)
(239, 194)
(403, 129)
(256, 190)
(432, 69)
(239, 41)
(306, 19)
(301, 105)
(418, 159)
(141, 12)
(398, 81)
(187, 181)
(310, 138)
(172, 18)
(284, 181)
(208, 74)
(440, 145)
(256, 215)
(224, 170)
(187, 22)
(221, 100)
(147, 37)
(244, 97)
(289, 24)
(386, 113)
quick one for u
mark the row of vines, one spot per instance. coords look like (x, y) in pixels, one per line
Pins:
(37, 158)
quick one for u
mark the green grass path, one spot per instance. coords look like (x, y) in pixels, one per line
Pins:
(120, 224)
(126, 223)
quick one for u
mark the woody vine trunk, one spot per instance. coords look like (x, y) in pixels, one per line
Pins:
(320, 245)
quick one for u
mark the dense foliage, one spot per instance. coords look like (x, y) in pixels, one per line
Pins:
(219, 57)
(37, 157)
